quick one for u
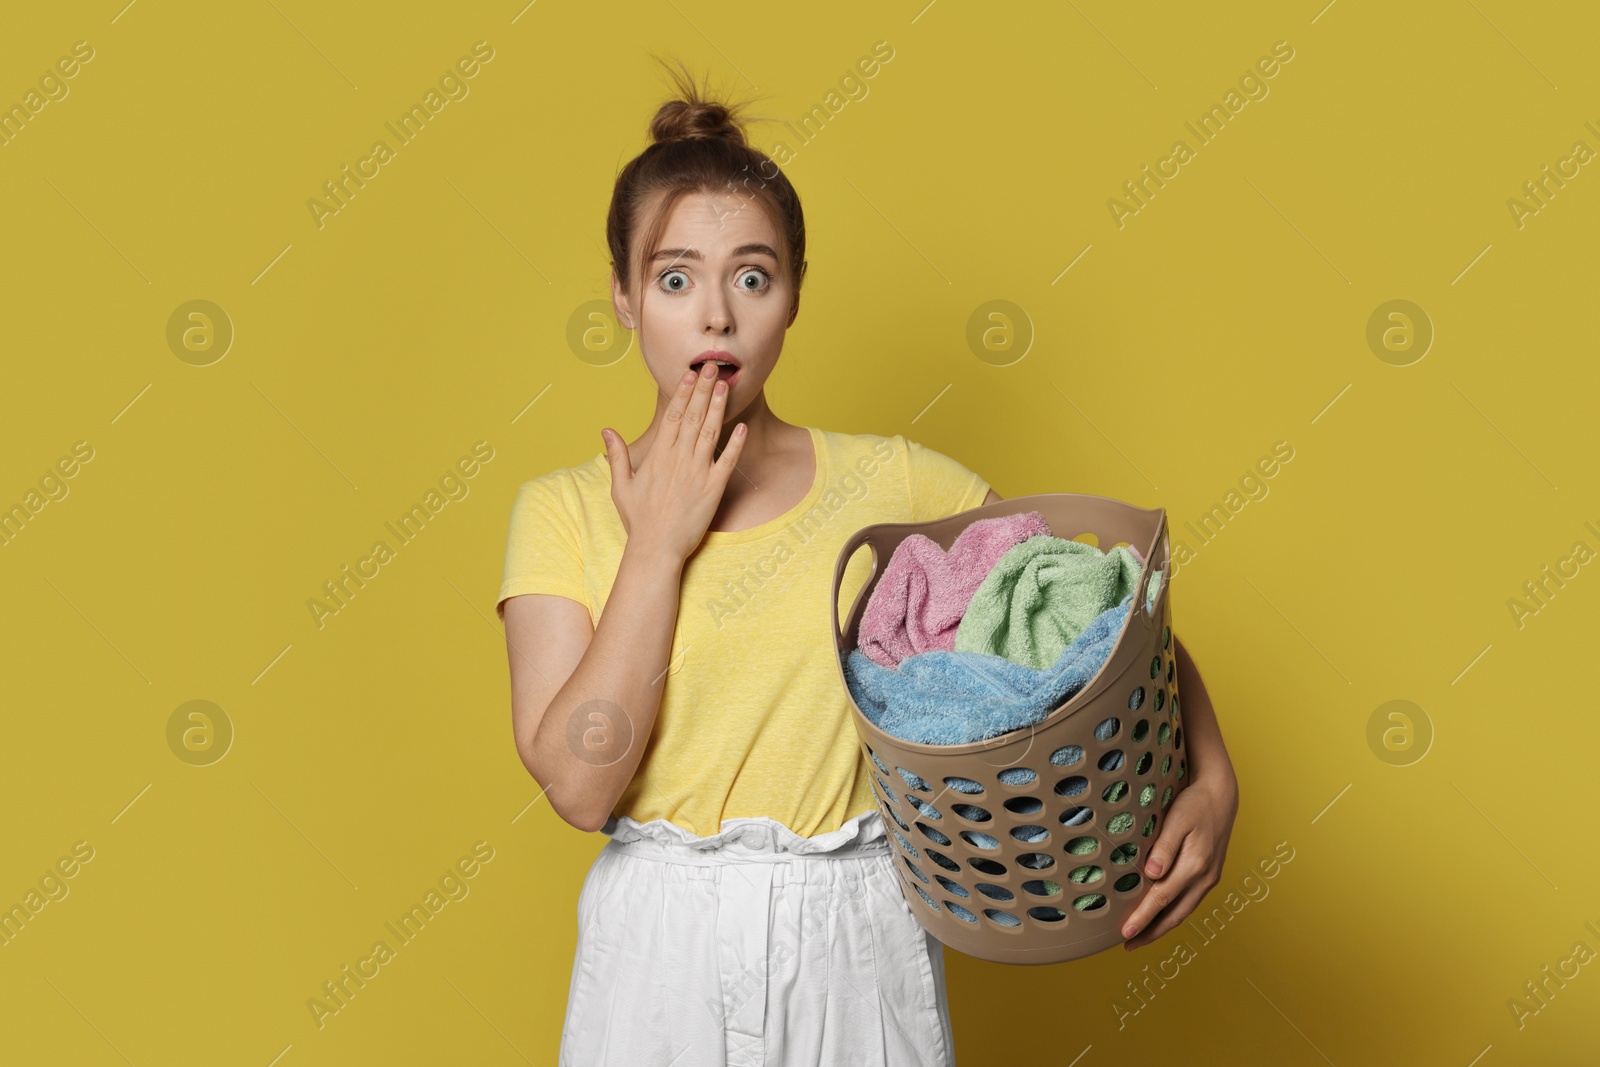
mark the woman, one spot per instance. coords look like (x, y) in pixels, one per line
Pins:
(745, 909)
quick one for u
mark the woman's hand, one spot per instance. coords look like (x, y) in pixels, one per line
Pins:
(673, 496)
(1186, 860)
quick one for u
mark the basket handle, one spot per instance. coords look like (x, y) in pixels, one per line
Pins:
(1150, 559)
(861, 537)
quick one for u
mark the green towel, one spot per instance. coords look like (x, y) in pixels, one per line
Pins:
(1043, 593)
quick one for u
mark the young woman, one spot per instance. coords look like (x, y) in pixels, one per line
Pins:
(673, 676)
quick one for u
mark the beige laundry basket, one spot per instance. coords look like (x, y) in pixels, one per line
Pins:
(1029, 847)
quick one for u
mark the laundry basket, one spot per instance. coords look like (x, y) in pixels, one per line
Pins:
(1028, 847)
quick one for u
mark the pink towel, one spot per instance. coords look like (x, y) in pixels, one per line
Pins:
(918, 603)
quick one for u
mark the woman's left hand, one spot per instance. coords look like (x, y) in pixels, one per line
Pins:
(1186, 860)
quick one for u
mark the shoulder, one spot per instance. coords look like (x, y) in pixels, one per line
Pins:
(894, 448)
(870, 450)
(567, 489)
(867, 458)
(923, 482)
(849, 448)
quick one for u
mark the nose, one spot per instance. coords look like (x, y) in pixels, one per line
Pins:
(719, 317)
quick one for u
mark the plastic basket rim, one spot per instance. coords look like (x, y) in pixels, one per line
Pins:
(1098, 684)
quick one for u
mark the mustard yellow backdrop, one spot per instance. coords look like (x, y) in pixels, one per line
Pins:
(1318, 278)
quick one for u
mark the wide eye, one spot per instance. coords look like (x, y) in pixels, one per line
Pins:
(666, 282)
(755, 279)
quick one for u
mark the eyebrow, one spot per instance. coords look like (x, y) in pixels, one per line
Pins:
(690, 253)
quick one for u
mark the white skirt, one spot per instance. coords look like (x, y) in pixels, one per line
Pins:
(754, 946)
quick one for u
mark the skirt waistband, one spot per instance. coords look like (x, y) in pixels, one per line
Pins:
(746, 840)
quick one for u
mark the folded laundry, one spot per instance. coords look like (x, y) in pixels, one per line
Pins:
(1041, 595)
(950, 698)
(918, 603)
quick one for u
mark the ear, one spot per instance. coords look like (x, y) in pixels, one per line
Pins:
(794, 310)
(619, 303)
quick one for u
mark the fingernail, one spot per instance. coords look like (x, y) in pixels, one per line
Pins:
(1129, 930)
(1153, 869)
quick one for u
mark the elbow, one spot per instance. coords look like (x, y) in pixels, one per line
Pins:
(587, 824)
(581, 818)
(577, 815)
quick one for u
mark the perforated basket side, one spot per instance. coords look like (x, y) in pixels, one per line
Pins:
(1024, 848)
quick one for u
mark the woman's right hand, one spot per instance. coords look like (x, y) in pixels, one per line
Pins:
(673, 496)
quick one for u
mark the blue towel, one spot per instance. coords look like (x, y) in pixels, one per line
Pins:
(951, 698)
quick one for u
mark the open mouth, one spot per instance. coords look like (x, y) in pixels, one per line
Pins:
(725, 371)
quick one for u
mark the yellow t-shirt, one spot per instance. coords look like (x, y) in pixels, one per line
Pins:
(754, 719)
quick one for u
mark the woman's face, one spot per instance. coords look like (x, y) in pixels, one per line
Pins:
(716, 284)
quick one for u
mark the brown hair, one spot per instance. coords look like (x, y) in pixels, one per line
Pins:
(698, 146)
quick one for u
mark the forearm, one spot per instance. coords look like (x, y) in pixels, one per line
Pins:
(592, 737)
(1208, 760)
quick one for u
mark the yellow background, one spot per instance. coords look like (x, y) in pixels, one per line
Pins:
(1230, 313)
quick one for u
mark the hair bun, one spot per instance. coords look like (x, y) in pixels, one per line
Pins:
(684, 120)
